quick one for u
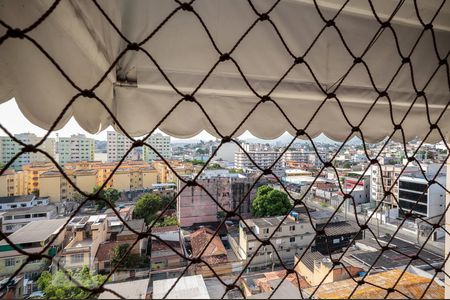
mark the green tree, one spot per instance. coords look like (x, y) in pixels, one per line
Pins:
(146, 207)
(269, 202)
(165, 200)
(168, 221)
(59, 286)
(110, 194)
(214, 166)
(131, 260)
(36, 192)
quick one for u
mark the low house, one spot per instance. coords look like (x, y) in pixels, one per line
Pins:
(262, 284)
(87, 233)
(16, 218)
(12, 202)
(165, 262)
(123, 236)
(215, 252)
(32, 238)
(317, 268)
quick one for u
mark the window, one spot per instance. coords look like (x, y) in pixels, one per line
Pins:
(266, 230)
(292, 239)
(292, 228)
(77, 258)
(10, 262)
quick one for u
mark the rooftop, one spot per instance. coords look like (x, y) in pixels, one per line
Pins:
(214, 253)
(135, 289)
(16, 199)
(137, 225)
(273, 221)
(33, 209)
(188, 287)
(309, 258)
(392, 259)
(411, 285)
(36, 231)
(164, 229)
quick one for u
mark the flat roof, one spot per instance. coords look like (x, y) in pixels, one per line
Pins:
(135, 289)
(15, 199)
(269, 221)
(392, 259)
(411, 285)
(36, 231)
(188, 287)
(33, 209)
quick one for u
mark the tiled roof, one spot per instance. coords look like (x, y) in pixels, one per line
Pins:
(214, 253)
(160, 246)
(164, 229)
(411, 285)
(104, 251)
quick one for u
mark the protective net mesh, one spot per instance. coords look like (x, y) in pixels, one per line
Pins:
(329, 94)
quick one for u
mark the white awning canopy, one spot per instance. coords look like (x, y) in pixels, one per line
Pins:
(84, 45)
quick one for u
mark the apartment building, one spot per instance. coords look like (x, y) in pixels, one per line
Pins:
(131, 175)
(167, 175)
(294, 235)
(14, 219)
(262, 156)
(117, 146)
(57, 188)
(9, 148)
(31, 175)
(32, 238)
(424, 200)
(8, 183)
(160, 143)
(194, 205)
(387, 176)
(75, 148)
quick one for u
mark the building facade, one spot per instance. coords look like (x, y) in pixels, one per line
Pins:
(9, 148)
(294, 234)
(14, 219)
(75, 148)
(194, 205)
(161, 143)
(417, 196)
(387, 177)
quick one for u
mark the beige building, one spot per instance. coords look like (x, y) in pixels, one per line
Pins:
(87, 233)
(166, 175)
(292, 236)
(7, 183)
(87, 175)
(318, 269)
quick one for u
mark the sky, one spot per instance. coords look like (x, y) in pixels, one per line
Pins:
(15, 122)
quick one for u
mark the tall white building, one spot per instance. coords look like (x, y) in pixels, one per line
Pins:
(117, 145)
(161, 143)
(261, 155)
(9, 148)
(75, 148)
